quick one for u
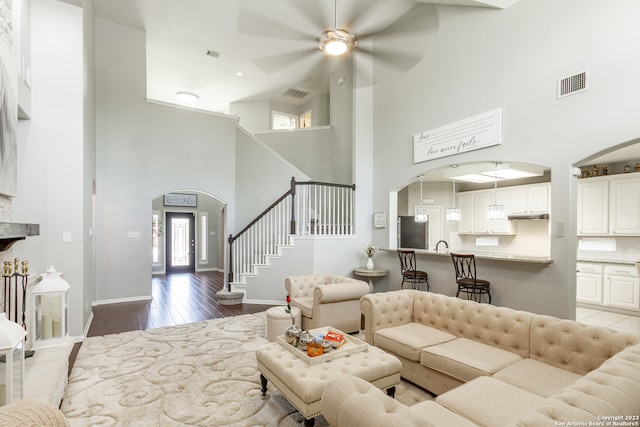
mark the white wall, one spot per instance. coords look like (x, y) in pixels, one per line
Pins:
(480, 59)
(51, 152)
(145, 150)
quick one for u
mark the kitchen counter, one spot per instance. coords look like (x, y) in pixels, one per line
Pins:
(609, 261)
(487, 256)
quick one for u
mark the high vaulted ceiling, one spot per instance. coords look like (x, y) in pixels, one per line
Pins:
(262, 40)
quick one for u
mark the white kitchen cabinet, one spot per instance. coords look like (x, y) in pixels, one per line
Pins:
(624, 205)
(593, 206)
(589, 283)
(473, 209)
(481, 202)
(621, 287)
(465, 204)
(529, 199)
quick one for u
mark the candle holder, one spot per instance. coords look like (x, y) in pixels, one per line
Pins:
(50, 311)
(12, 356)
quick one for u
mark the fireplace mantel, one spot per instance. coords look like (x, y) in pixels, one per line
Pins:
(11, 232)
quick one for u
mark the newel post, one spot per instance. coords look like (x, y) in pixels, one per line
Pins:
(230, 276)
(293, 205)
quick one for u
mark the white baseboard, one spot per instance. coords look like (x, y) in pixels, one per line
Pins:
(86, 329)
(119, 300)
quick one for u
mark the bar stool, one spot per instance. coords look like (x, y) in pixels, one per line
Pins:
(409, 271)
(465, 266)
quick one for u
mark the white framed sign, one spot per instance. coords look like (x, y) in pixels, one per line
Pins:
(473, 133)
(379, 220)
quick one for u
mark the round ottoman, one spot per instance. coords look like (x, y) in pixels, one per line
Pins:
(278, 320)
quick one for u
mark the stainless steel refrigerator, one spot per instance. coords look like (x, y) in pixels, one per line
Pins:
(412, 234)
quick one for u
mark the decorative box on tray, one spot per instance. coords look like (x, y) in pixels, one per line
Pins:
(349, 346)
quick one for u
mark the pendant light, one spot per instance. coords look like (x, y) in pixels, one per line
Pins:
(495, 211)
(420, 212)
(454, 214)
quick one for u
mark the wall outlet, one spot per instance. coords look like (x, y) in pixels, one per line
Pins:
(66, 237)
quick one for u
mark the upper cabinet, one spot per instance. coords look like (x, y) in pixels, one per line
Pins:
(529, 199)
(593, 206)
(609, 205)
(473, 209)
(624, 206)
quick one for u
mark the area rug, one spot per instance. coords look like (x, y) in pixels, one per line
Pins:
(198, 374)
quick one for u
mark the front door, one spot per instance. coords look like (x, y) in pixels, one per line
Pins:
(181, 245)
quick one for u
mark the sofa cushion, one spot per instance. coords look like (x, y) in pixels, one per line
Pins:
(498, 327)
(436, 415)
(575, 347)
(536, 377)
(613, 389)
(408, 340)
(305, 305)
(466, 359)
(489, 402)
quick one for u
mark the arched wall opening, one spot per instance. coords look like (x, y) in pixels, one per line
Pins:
(209, 228)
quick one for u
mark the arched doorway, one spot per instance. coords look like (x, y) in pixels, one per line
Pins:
(188, 229)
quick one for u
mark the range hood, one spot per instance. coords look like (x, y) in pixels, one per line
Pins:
(11, 232)
(530, 216)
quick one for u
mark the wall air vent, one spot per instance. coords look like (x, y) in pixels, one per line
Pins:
(573, 84)
(295, 93)
(213, 53)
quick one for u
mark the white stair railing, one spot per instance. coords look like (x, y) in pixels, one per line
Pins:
(308, 208)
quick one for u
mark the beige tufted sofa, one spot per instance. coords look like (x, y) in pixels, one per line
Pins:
(327, 300)
(490, 366)
(31, 412)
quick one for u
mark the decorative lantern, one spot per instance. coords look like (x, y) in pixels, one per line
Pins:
(49, 312)
(11, 360)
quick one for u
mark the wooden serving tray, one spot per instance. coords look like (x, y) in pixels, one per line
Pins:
(351, 345)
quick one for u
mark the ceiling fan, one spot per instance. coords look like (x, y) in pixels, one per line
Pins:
(400, 29)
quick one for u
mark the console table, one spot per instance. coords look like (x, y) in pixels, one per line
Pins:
(370, 274)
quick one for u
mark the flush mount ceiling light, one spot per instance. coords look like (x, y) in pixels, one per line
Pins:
(187, 98)
(480, 173)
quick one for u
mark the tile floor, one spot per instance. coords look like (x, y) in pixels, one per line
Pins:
(617, 321)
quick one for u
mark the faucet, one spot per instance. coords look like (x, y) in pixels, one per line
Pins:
(441, 241)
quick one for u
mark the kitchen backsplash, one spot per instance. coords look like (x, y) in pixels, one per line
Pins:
(532, 238)
(620, 249)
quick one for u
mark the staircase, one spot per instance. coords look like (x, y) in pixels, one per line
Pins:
(305, 211)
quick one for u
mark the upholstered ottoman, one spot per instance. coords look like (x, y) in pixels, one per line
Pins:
(303, 383)
(278, 320)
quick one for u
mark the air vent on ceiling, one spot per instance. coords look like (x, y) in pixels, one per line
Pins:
(573, 84)
(213, 53)
(295, 93)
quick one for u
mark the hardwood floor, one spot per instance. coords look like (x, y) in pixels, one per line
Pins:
(176, 299)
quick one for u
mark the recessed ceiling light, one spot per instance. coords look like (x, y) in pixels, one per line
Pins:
(187, 98)
(239, 74)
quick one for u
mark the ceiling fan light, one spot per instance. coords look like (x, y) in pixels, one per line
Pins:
(337, 42)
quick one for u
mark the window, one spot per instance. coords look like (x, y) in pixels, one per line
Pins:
(155, 236)
(283, 120)
(204, 241)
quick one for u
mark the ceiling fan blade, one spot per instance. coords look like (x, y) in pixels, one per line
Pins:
(271, 64)
(371, 19)
(393, 58)
(313, 14)
(421, 20)
(405, 42)
(259, 25)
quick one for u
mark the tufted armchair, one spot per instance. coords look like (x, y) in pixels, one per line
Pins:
(327, 300)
